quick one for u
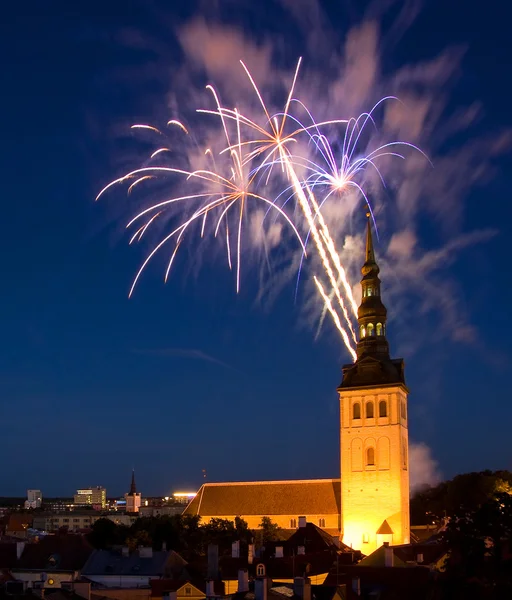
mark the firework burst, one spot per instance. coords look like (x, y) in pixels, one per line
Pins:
(221, 198)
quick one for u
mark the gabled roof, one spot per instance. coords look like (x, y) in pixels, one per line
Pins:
(406, 555)
(384, 529)
(312, 538)
(267, 498)
(160, 586)
(65, 552)
(113, 563)
(19, 522)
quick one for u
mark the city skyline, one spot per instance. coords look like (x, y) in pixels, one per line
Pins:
(191, 377)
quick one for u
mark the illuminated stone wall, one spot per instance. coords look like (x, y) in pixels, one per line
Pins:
(378, 492)
(283, 521)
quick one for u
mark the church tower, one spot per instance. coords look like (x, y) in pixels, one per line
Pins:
(373, 421)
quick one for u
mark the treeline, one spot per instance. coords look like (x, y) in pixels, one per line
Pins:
(184, 534)
(467, 492)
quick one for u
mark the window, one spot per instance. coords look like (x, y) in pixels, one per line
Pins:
(369, 291)
(260, 570)
(188, 591)
(404, 413)
(383, 408)
(366, 538)
(321, 522)
(293, 523)
(379, 328)
(356, 411)
(370, 457)
(369, 410)
(371, 330)
(361, 332)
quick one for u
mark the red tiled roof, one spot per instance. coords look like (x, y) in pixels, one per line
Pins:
(19, 522)
(296, 497)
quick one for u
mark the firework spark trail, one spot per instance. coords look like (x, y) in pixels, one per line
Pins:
(335, 317)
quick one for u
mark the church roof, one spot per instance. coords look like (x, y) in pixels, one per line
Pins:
(266, 498)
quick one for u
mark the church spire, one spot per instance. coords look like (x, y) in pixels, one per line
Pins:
(372, 314)
(133, 487)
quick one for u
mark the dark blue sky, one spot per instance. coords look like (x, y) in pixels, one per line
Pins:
(91, 383)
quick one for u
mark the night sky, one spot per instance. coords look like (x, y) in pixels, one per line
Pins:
(189, 375)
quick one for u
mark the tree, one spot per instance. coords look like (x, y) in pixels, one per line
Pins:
(467, 491)
(269, 531)
(479, 541)
(105, 534)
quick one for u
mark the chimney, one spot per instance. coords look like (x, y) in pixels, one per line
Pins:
(302, 522)
(356, 586)
(125, 551)
(419, 558)
(210, 588)
(213, 561)
(388, 555)
(302, 588)
(279, 552)
(260, 588)
(250, 554)
(20, 546)
(235, 549)
(243, 580)
(82, 589)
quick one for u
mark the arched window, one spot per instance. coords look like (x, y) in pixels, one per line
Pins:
(369, 291)
(260, 570)
(361, 332)
(383, 408)
(369, 410)
(356, 411)
(370, 457)
(379, 328)
(371, 330)
(293, 523)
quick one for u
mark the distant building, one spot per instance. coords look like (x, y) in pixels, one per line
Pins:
(160, 511)
(34, 499)
(76, 520)
(96, 497)
(133, 498)
(184, 497)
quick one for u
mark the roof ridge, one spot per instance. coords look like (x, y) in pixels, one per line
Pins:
(273, 482)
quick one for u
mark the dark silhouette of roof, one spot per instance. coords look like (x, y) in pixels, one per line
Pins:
(66, 552)
(111, 562)
(8, 556)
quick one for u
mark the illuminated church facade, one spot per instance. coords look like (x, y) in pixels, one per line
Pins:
(369, 504)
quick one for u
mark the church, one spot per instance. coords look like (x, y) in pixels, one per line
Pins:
(369, 504)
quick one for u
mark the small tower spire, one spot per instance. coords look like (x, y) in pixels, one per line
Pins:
(370, 254)
(133, 487)
(372, 314)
